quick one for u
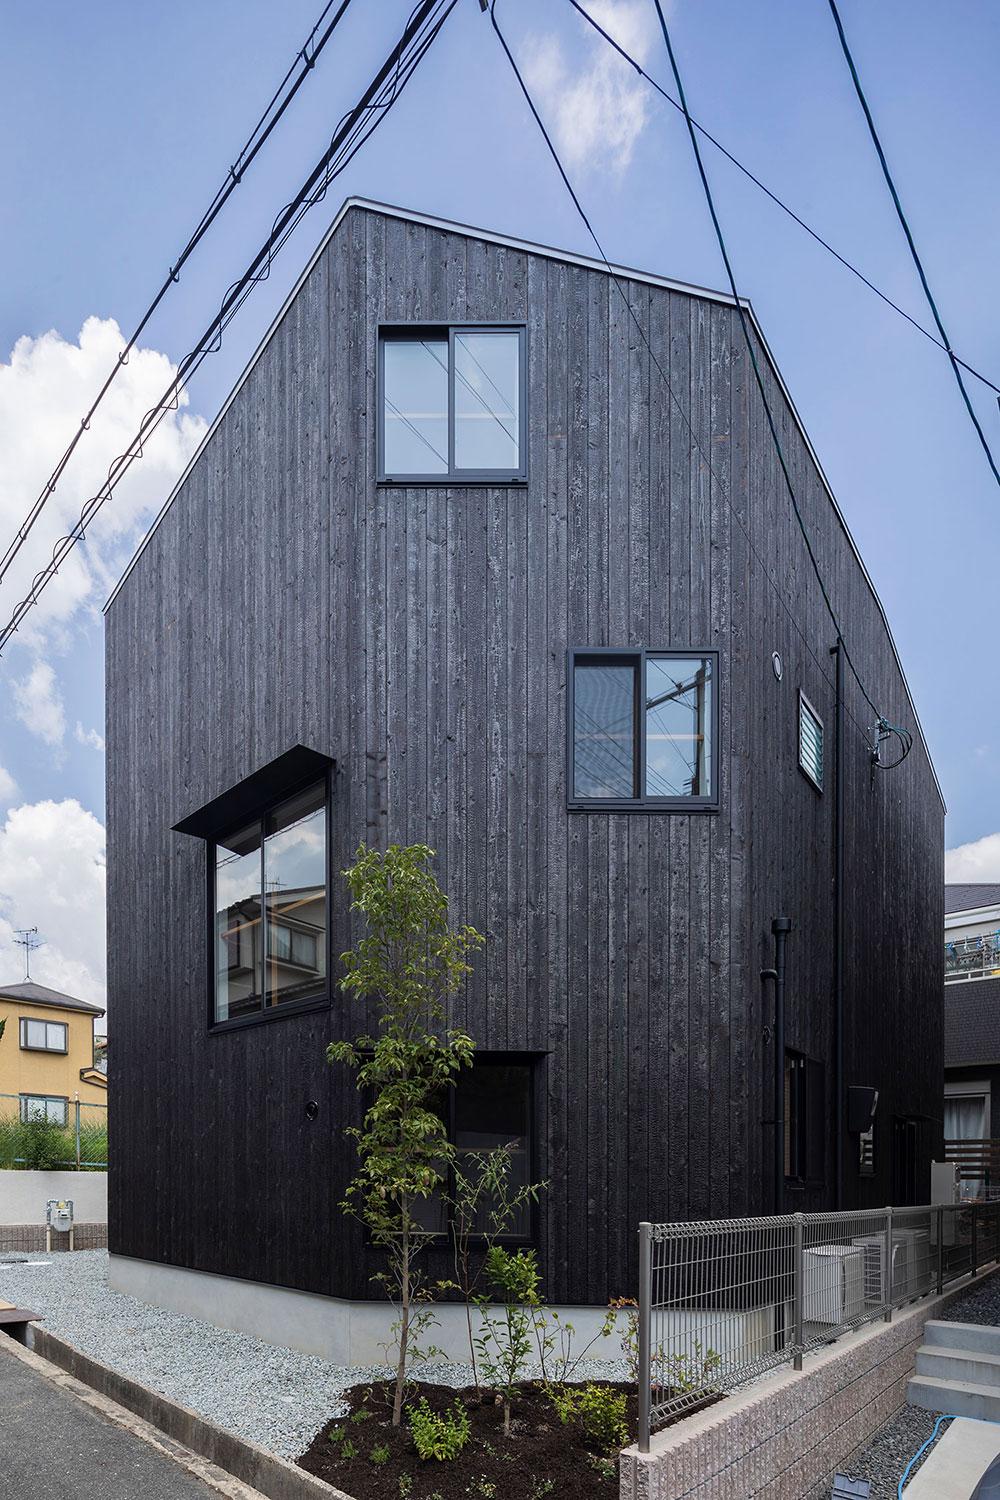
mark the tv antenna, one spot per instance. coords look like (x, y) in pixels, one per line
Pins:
(28, 939)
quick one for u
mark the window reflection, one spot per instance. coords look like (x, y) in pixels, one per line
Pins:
(678, 721)
(295, 896)
(238, 923)
(487, 401)
(604, 729)
(415, 397)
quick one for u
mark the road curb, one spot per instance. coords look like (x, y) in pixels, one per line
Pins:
(265, 1472)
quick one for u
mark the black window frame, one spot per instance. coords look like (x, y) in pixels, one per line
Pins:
(805, 707)
(323, 999)
(637, 656)
(805, 1111)
(454, 478)
(62, 1099)
(533, 1062)
(26, 1046)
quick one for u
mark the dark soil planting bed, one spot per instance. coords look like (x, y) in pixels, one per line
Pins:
(542, 1456)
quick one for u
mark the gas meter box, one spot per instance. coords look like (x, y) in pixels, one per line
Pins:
(59, 1214)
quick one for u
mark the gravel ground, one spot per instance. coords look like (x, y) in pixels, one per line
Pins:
(980, 1306)
(886, 1457)
(275, 1397)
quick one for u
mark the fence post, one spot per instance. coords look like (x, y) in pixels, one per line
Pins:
(77, 1135)
(645, 1321)
(940, 1251)
(887, 1314)
(975, 1240)
(798, 1289)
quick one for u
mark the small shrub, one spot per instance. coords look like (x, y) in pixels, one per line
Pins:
(605, 1467)
(348, 1450)
(336, 1435)
(439, 1435)
(483, 1486)
(542, 1487)
(379, 1454)
(405, 1486)
(361, 1415)
(599, 1410)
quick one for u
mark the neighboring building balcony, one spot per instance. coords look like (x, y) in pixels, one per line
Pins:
(978, 1164)
(972, 958)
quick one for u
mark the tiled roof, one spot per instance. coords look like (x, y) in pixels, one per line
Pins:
(39, 994)
(965, 897)
(971, 1022)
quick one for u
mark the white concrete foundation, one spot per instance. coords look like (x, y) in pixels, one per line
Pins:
(343, 1332)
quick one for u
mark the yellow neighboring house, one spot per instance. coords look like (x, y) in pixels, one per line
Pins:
(47, 1057)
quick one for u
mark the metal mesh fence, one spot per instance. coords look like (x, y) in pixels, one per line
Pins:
(44, 1134)
(722, 1302)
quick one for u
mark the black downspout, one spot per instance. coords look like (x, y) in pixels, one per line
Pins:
(838, 935)
(781, 926)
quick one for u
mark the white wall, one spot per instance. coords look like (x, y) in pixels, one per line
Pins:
(23, 1195)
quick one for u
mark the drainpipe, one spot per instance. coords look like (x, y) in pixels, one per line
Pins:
(838, 935)
(781, 927)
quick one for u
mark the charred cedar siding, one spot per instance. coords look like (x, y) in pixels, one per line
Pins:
(419, 637)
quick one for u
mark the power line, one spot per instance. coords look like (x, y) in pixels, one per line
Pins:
(869, 735)
(955, 361)
(352, 132)
(280, 100)
(780, 203)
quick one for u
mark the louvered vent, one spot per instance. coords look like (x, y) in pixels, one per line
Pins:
(810, 742)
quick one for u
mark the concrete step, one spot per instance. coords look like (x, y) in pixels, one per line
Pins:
(982, 1337)
(958, 1364)
(960, 1398)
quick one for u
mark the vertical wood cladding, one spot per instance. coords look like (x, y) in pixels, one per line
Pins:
(419, 637)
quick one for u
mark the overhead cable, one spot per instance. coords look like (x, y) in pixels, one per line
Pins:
(956, 363)
(352, 132)
(305, 61)
(779, 202)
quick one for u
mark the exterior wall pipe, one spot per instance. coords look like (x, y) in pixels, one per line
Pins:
(781, 927)
(839, 1082)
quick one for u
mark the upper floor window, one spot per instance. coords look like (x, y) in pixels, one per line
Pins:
(270, 907)
(44, 1036)
(810, 742)
(643, 729)
(451, 405)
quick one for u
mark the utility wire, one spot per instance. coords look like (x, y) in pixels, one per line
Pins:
(741, 167)
(352, 132)
(305, 61)
(955, 361)
(868, 734)
(783, 462)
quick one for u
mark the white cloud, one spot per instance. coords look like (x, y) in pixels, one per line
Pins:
(979, 860)
(45, 388)
(596, 112)
(8, 787)
(52, 876)
(38, 703)
(88, 737)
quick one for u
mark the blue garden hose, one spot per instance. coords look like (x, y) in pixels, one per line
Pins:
(948, 1417)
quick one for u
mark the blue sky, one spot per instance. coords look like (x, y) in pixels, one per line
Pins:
(125, 117)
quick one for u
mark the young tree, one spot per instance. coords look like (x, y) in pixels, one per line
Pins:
(410, 962)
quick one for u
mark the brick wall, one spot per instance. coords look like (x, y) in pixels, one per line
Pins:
(786, 1436)
(28, 1238)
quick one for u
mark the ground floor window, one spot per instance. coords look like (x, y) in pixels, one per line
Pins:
(44, 1107)
(491, 1105)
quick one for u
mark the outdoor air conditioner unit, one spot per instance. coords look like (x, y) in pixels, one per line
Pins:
(833, 1283)
(910, 1260)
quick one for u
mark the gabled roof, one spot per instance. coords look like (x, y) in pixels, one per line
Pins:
(970, 896)
(571, 258)
(972, 1022)
(30, 993)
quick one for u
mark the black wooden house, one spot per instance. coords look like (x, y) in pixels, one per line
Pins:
(489, 549)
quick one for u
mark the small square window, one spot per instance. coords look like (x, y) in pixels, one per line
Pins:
(811, 742)
(643, 729)
(451, 405)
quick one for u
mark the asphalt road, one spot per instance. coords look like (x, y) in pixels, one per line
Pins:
(53, 1447)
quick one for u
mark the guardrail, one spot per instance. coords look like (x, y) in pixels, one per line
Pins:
(723, 1301)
